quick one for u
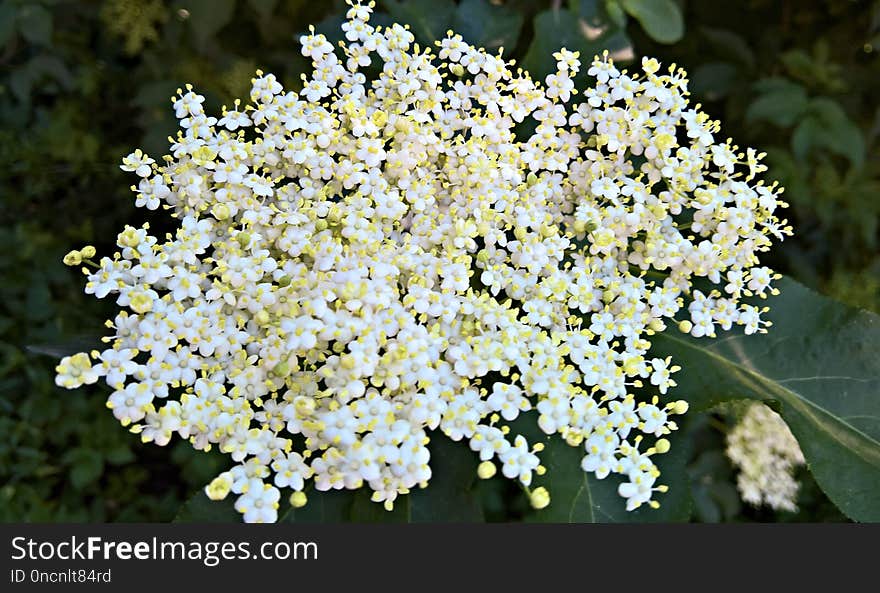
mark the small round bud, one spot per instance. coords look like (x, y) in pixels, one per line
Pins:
(539, 498)
(281, 370)
(220, 211)
(662, 446)
(73, 258)
(486, 470)
(298, 500)
(89, 251)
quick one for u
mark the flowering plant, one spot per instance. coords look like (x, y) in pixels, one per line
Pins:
(428, 241)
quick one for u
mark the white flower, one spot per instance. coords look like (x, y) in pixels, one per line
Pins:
(661, 375)
(76, 370)
(138, 162)
(259, 503)
(638, 490)
(519, 462)
(766, 454)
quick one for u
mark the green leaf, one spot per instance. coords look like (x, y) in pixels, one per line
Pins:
(555, 29)
(840, 134)
(615, 12)
(819, 364)
(429, 19)
(714, 80)
(7, 21)
(485, 25)
(35, 24)
(207, 17)
(589, 10)
(661, 19)
(730, 45)
(807, 134)
(579, 497)
(201, 509)
(87, 467)
(449, 496)
(781, 102)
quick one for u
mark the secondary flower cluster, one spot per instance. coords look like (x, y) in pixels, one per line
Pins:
(422, 241)
(762, 447)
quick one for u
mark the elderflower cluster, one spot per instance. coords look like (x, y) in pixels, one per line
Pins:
(766, 454)
(426, 241)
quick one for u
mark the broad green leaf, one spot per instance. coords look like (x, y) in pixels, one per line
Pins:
(429, 19)
(781, 102)
(485, 25)
(207, 17)
(555, 29)
(661, 19)
(35, 24)
(449, 496)
(819, 366)
(201, 509)
(579, 497)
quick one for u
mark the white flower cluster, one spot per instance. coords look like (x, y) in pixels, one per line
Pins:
(420, 241)
(766, 454)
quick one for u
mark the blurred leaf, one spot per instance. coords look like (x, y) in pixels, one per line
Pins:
(781, 102)
(820, 363)
(35, 24)
(7, 21)
(87, 467)
(430, 19)
(120, 455)
(714, 80)
(589, 10)
(806, 134)
(485, 25)
(730, 45)
(615, 12)
(661, 19)
(207, 17)
(838, 132)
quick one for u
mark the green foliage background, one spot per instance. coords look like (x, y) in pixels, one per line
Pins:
(84, 82)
